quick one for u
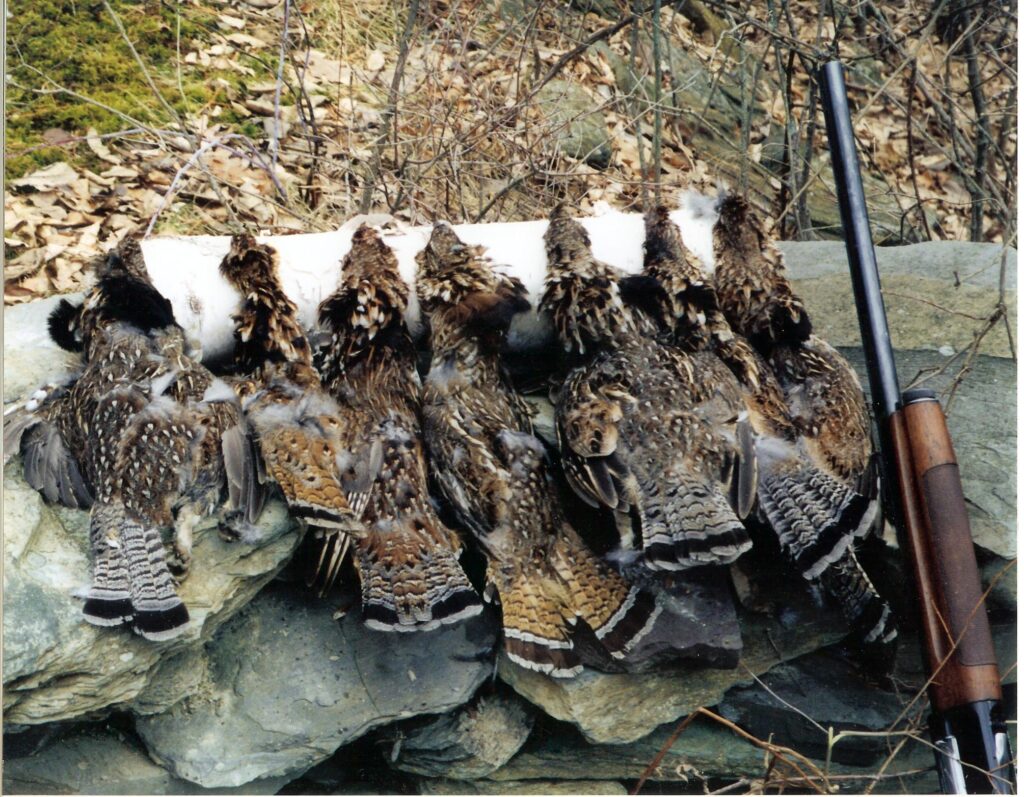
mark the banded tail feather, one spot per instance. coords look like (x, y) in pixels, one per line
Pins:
(108, 600)
(815, 517)
(304, 465)
(620, 615)
(685, 523)
(411, 577)
(870, 616)
(322, 516)
(538, 629)
(537, 623)
(158, 613)
(622, 631)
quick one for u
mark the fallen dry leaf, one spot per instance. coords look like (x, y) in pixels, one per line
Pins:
(120, 172)
(229, 21)
(55, 136)
(98, 147)
(53, 176)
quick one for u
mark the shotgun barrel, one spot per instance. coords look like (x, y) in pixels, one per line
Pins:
(922, 478)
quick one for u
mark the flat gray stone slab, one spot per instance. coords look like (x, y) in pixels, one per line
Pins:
(521, 787)
(983, 426)
(55, 665)
(287, 685)
(936, 294)
(94, 761)
(31, 358)
(617, 708)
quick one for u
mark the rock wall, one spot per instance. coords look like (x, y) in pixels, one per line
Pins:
(267, 690)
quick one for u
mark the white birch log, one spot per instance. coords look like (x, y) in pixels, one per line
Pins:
(185, 269)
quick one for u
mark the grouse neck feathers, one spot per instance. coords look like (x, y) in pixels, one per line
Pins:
(583, 296)
(690, 311)
(266, 327)
(365, 317)
(750, 280)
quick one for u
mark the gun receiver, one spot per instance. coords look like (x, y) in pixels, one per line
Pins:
(922, 478)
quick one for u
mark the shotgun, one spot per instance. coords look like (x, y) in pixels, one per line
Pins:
(921, 477)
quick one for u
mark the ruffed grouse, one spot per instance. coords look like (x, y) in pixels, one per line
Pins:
(408, 561)
(653, 433)
(818, 487)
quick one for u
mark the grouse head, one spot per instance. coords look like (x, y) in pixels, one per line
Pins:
(690, 300)
(750, 280)
(267, 328)
(366, 312)
(462, 295)
(581, 294)
(737, 235)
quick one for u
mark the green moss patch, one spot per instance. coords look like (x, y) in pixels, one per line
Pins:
(59, 46)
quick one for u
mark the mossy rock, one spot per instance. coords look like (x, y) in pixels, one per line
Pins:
(579, 131)
(60, 46)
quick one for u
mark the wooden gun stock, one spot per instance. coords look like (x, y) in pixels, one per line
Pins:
(964, 688)
(959, 650)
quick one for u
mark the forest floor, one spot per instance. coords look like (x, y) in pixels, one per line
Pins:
(211, 117)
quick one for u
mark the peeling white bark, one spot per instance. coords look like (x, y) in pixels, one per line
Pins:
(185, 269)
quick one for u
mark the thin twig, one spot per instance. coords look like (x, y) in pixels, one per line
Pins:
(656, 761)
(637, 90)
(656, 141)
(275, 135)
(984, 134)
(373, 173)
(911, 90)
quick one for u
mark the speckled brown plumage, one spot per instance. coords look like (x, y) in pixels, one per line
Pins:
(698, 324)
(494, 474)
(828, 408)
(138, 432)
(648, 431)
(750, 280)
(267, 329)
(295, 423)
(818, 488)
(583, 296)
(408, 561)
(822, 394)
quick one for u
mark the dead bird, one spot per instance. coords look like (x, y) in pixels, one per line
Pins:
(136, 437)
(295, 424)
(495, 475)
(819, 486)
(408, 560)
(646, 431)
